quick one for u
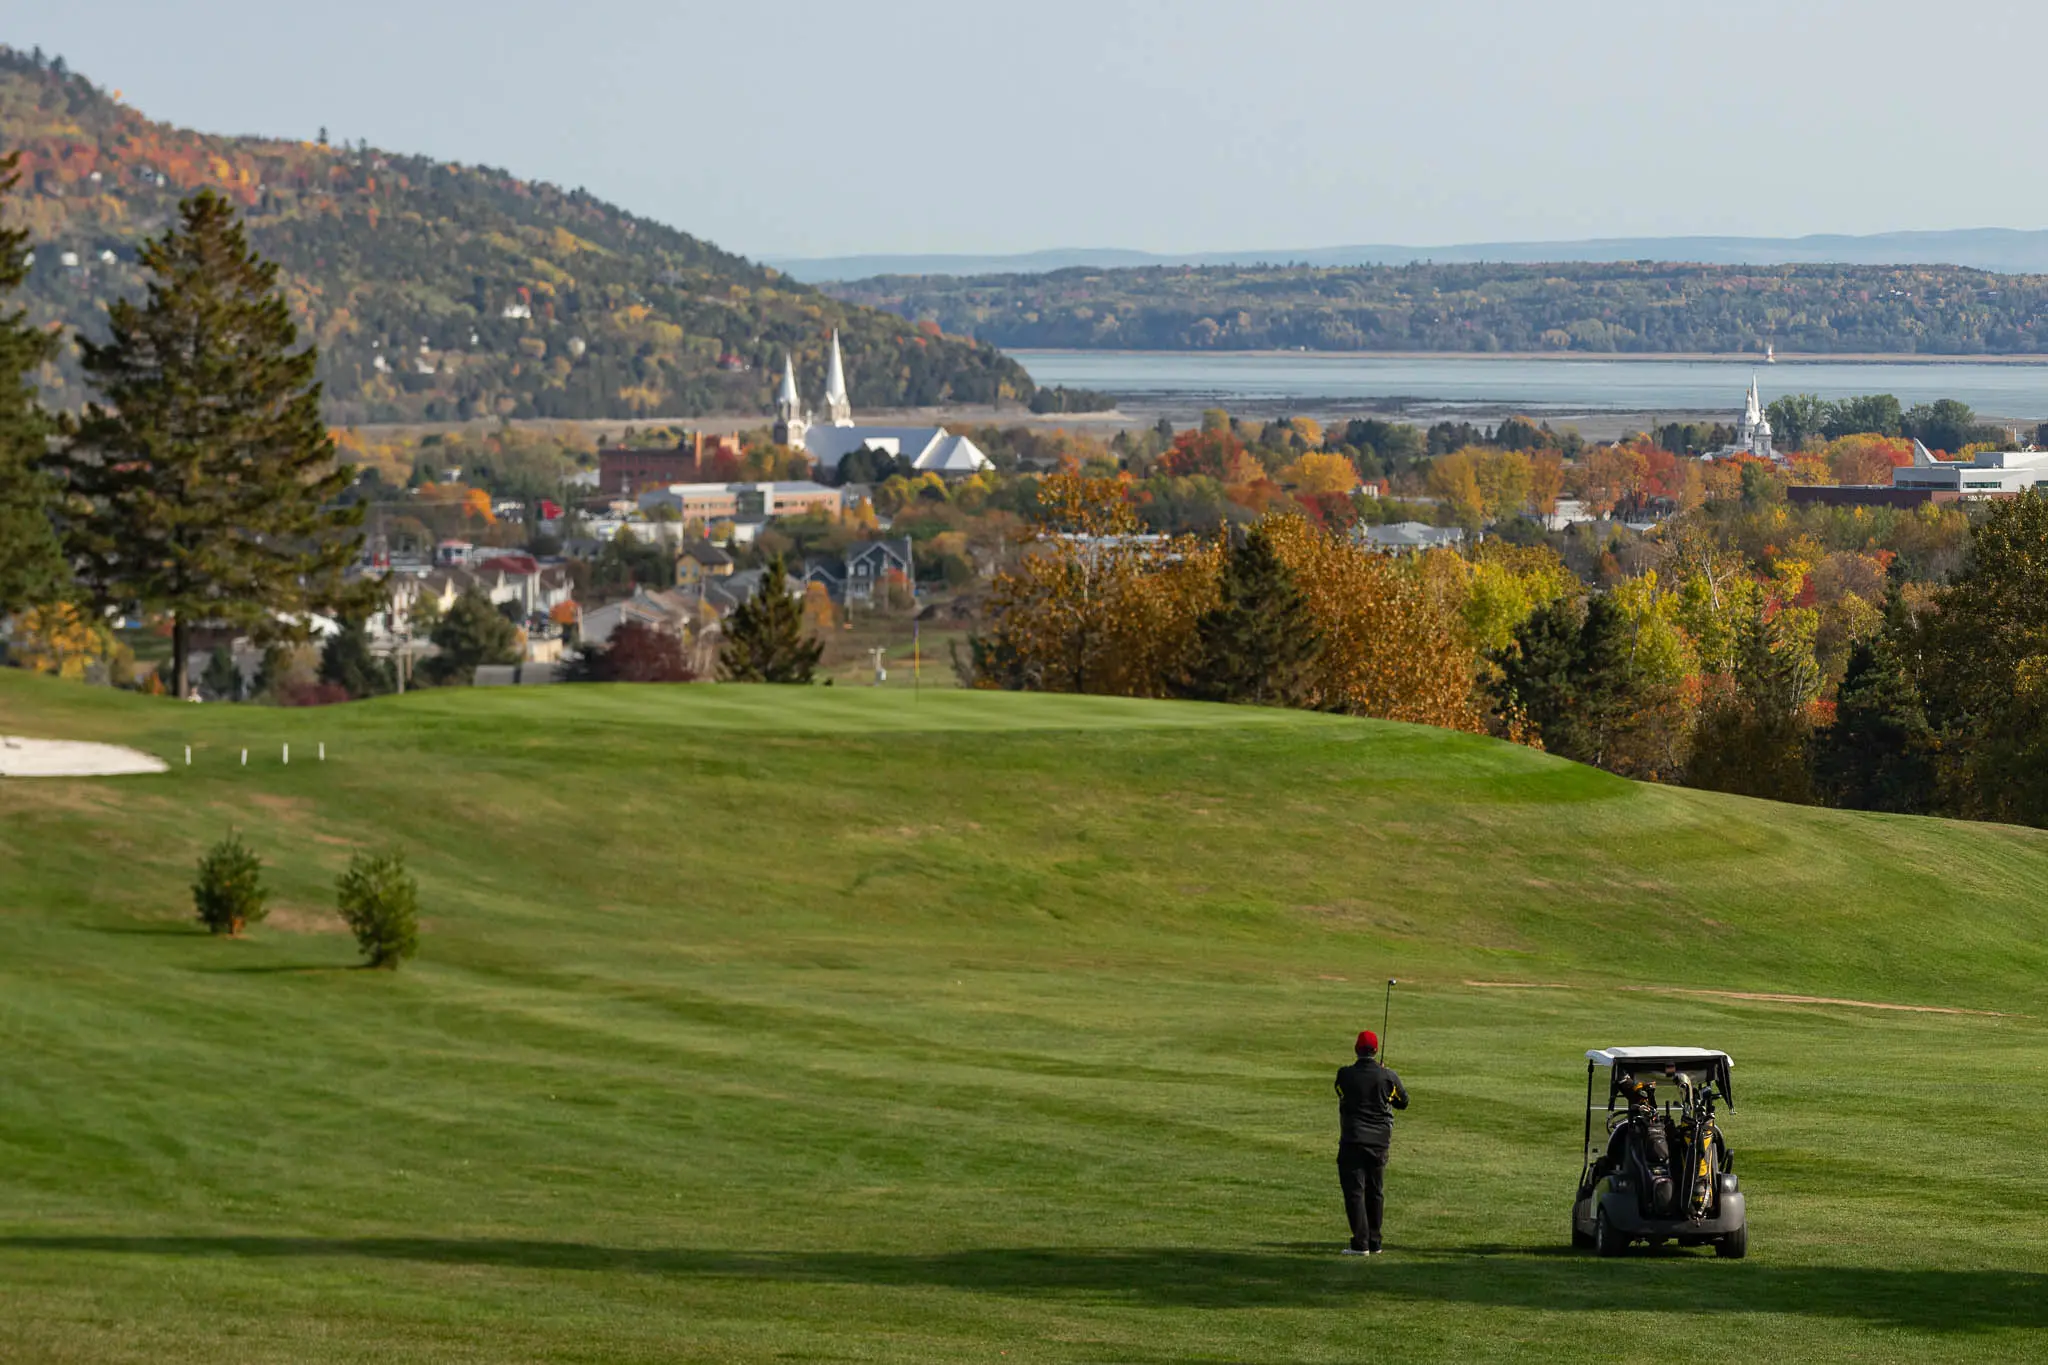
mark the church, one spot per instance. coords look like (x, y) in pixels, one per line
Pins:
(1752, 433)
(931, 450)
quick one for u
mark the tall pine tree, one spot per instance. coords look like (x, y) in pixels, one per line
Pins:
(1255, 645)
(203, 487)
(1568, 676)
(1879, 753)
(764, 636)
(32, 566)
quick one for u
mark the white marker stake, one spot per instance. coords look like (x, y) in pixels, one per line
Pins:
(287, 755)
(323, 751)
(188, 755)
(245, 758)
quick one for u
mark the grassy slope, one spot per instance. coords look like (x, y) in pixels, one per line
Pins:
(843, 1025)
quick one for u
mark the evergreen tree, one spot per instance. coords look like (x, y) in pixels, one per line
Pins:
(204, 486)
(1983, 668)
(221, 678)
(32, 568)
(1569, 676)
(1536, 687)
(346, 661)
(1878, 755)
(1255, 645)
(764, 636)
(473, 633)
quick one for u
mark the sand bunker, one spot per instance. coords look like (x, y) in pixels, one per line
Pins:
(70, 758)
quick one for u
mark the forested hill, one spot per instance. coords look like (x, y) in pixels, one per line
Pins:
(447, 292)
(1635, 306)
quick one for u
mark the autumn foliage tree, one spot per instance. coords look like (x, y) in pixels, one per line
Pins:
(1093, 607)
(635, 653)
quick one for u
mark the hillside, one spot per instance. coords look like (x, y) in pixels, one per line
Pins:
(447, 292)
(760, 1024)
(1637, 306)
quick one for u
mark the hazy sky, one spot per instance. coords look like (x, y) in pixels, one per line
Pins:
(790, 127)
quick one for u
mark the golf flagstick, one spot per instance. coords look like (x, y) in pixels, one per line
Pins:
(1386, 1013)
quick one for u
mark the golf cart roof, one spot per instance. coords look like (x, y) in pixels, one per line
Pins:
(1644, 1056)
(1713, 1067)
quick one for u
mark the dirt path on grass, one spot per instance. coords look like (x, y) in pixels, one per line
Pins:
(1769, 997)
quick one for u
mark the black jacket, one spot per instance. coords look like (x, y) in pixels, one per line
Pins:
(1367, 1095)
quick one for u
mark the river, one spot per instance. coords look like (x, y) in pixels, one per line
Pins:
(1548, 386)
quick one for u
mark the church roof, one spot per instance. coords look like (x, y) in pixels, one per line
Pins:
(788, 395)
(954, 455)
(830, 445)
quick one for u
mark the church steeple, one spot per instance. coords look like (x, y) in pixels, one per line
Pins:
(1754, 435)
(838, 408)
(790, 422)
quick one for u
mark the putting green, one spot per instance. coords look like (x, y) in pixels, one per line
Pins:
(764, 1023)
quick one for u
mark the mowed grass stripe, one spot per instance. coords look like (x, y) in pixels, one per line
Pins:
(758, 1023)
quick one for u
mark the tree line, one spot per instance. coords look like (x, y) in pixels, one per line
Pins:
(1841, 681)
(1619, 307)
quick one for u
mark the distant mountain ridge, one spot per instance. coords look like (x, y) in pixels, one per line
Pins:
(2005, 250)
(445, 292)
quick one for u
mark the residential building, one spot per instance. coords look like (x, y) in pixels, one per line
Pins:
(600, 622)
(698, 560)
(856, 575)
(1410, 537)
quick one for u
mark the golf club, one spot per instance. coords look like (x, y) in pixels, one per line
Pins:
(1386, 1013)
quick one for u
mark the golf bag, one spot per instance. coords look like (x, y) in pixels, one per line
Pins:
(1649, 1155)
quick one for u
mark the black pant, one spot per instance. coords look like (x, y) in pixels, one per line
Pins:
(1361, 1174)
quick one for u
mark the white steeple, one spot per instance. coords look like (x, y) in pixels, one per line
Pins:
(1754, 435)
(838, 409)
(790, 422)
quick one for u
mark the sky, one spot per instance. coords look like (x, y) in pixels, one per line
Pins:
(794, 128)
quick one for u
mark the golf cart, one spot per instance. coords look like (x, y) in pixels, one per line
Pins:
(1659, 1174)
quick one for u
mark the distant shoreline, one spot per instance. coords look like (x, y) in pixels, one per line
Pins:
(1631, 357)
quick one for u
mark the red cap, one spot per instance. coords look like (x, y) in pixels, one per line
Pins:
(1368, 1041)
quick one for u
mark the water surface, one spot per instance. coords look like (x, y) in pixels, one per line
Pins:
(1532, 384)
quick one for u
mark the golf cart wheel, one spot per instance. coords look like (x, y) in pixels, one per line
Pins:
(1606, 1241)
(1735, 1245)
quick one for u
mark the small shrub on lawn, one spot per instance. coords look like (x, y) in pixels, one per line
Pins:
(228, 890)
(381, 902)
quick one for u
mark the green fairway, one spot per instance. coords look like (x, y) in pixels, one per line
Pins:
(853, 1024)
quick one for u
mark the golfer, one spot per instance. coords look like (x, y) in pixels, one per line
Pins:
(1367, 1095)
